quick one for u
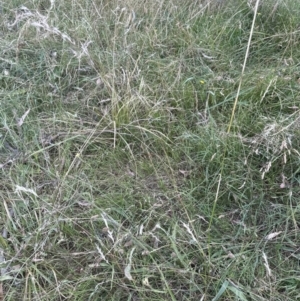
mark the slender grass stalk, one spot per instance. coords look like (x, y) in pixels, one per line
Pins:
(244, 67)
(231, 119)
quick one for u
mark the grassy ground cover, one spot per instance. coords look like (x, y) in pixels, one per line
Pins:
(123, 176)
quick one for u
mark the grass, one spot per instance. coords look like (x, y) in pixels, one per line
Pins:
(119, 177)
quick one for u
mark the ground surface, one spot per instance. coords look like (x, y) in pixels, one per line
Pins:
(126, 172)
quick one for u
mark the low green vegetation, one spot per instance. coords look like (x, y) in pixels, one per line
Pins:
(123, 176)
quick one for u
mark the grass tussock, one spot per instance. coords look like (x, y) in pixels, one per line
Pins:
(119, 177)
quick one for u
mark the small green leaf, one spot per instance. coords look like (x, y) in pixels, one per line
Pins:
(5, 277)
(237, 292)
(3, 243)
(221, 291)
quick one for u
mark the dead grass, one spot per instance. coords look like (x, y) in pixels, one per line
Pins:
(119, 176)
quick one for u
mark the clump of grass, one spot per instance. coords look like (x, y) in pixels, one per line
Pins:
(119, 177)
